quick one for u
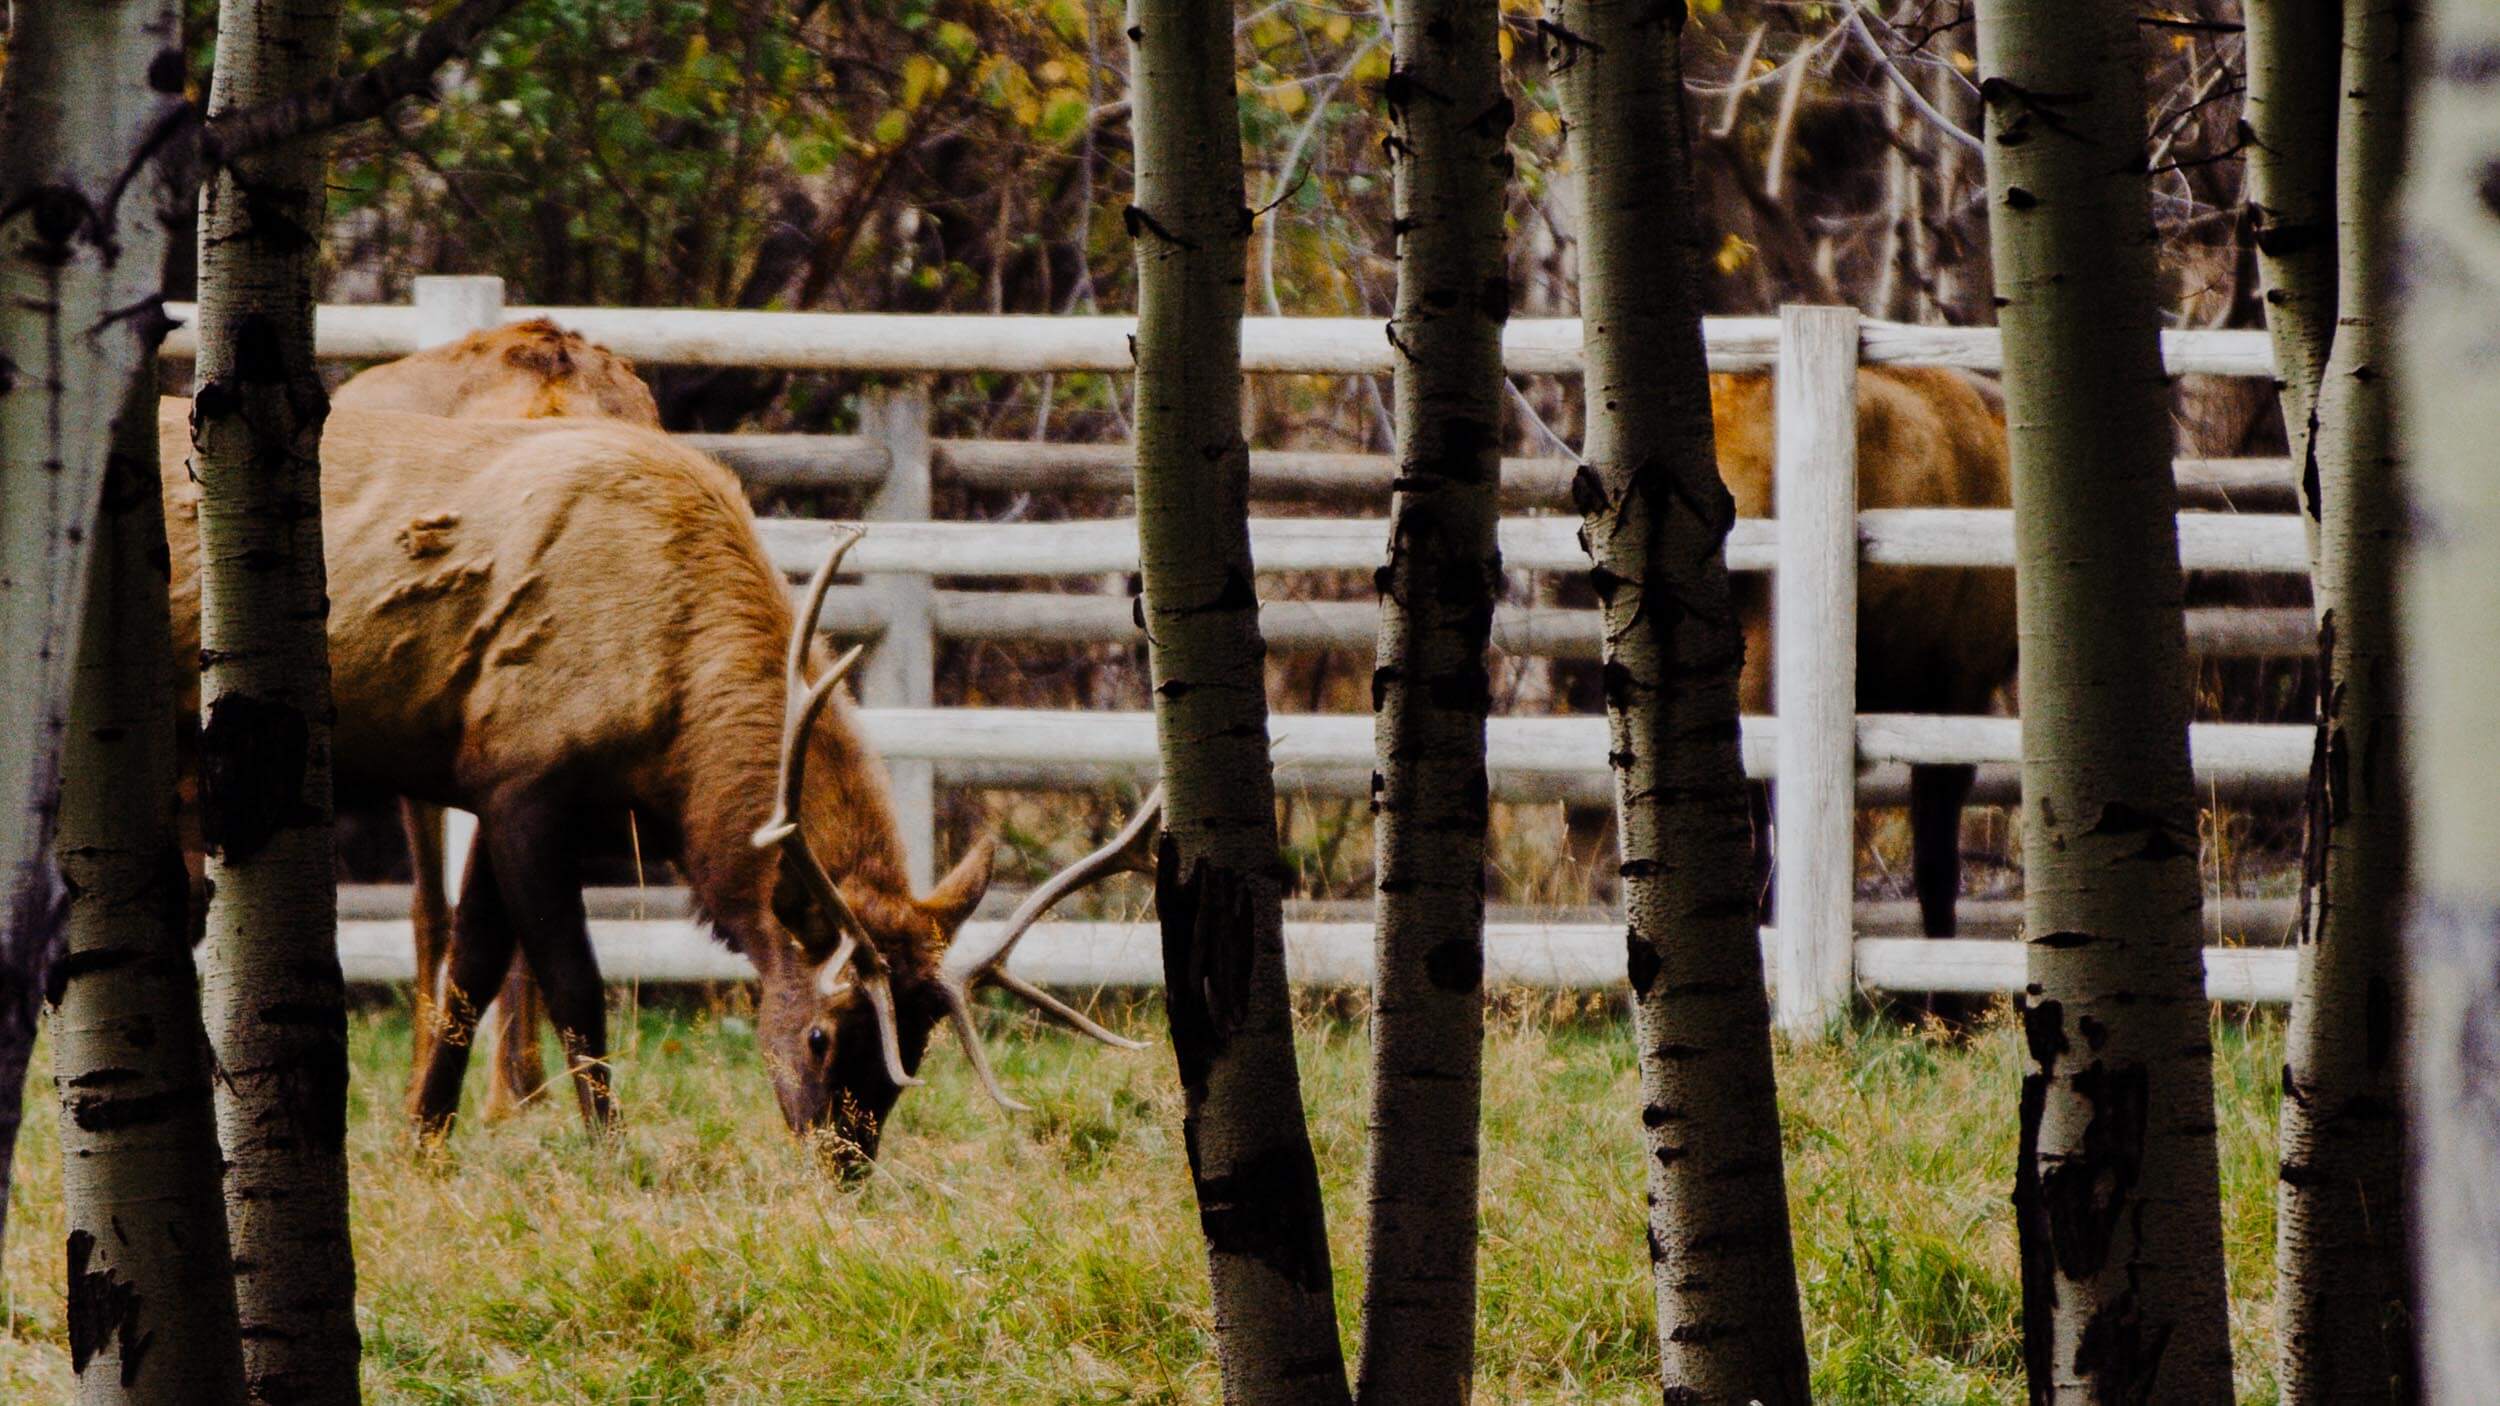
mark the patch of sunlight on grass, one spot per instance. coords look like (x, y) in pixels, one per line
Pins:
(699, 1256)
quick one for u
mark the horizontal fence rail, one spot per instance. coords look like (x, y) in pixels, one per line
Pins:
(1317, 346)
(1551, 956)
(2233, 542)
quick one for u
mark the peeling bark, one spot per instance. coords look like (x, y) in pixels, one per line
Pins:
(273, 994)
(2344, 1326)
(1449, 150)
(2117, 1209)
(1218, 885)
(2447, 286)
(1656, 522)
(82, 261)
(151, 1287)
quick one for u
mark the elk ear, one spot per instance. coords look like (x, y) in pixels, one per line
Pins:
(960, 891)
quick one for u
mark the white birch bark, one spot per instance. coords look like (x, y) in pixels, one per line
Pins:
(1449, 151)
(273, 995)
(1218, 882)
(82, 261)
(2448, 274)
(151, 1287)
(1656, 518)
(2117, 1202)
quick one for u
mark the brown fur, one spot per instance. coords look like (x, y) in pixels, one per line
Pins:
(579, 614)
(531, 370)
(1930, 639)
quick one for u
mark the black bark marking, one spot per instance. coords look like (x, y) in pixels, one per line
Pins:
(2064, 940)
(1641, 962)
(1139, 222)
(2282, 241)
(2120, 1354)
(2017, 198)
(254, 754)
(1456, 965)
(103, 1113)
(167, 71)
(2160, 840)
(102, 1306)
(2044, 1033)
(1209, 923)
(1267, 1209)
(2089, 1192)
(2487, 189)
(2039, 1272)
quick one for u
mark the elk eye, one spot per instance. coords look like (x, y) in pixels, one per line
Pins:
(816, 1041)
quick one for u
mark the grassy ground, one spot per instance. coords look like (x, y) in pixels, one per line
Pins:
(1055, 1258)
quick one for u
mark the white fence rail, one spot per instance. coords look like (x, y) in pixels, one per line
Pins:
(1814, 551)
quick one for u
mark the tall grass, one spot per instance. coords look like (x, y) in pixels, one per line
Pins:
(1054, 1257)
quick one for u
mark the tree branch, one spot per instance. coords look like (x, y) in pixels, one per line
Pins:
(349, 99)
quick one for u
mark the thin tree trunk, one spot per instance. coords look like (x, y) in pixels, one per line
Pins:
(274, 997)
(2345, 1334)
(82, 258)
(1656, 524)
(1449, 149)
(2292, 63)
(2117, 1202)
(2447, 365)
(1218, 882)
(151, 1285)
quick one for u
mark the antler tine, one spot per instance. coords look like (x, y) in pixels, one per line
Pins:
(794, 668)
(1130, 851)
(783, 830)
(959, 1014)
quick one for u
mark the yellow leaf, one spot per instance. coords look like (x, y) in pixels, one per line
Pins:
(1733, 254)
(1337, 28)
(921, 76)
(1964, 62)
(1544, 123)
(1053, 72)
(1288, 98)
(1505, 43)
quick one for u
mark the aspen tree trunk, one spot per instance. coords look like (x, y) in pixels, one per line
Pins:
(151, 1285)
(272, 987)
(2117, 1203)
(2292, 64)
(82, 258)
(2345, 1334)
(1656, 523)
(1218, 880)
(2447, 363)
(1449, 149)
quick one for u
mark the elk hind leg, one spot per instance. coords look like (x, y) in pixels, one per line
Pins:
(480, 954)
(519, 1071)
(541, 887)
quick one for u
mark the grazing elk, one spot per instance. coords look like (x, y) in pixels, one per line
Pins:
(1930, 639)
(520, 371)
(534, 620)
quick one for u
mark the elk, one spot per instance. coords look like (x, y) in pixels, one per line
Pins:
(537, 619)
(521, 371)
(1930, 639)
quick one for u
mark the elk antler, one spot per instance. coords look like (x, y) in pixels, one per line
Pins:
(806, 700)
(967, 964)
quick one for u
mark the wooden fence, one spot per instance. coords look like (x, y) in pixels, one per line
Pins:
(1824, 760)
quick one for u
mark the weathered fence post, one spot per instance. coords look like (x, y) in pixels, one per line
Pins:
(1814, 616)
(450, 307)
(901, 671)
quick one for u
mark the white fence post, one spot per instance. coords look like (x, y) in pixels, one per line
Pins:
(450, 307)
(901, 671)
(1815, 666)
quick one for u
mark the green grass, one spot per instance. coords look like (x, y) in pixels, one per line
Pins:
(1054, 1258)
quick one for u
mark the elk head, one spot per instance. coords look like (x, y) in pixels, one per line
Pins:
(844, 1026)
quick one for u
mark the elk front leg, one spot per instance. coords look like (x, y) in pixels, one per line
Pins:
(429, 916)
(1937, 794)
(542, 892)
(481, 952)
